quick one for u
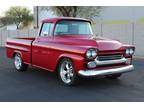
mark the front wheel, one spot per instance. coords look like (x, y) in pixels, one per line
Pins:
(19, 64)
(67, 72)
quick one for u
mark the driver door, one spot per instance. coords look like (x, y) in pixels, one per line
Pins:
(41, 47)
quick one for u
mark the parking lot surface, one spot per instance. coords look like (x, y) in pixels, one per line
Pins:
(40, 85)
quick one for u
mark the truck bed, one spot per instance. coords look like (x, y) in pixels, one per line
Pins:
(20, 45)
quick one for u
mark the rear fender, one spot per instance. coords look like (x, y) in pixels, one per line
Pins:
(17, 52)
(11, 52)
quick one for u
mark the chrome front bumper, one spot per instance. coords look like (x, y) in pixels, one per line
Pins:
(123, 69)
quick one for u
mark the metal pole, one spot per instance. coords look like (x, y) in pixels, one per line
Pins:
(37, 12)
(101, 20)
(133, 32)
(1, 38)
(18, 33)
(101, 29)
(28, 32)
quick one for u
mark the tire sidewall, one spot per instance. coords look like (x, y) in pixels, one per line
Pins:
(74, 78)
(23, 66)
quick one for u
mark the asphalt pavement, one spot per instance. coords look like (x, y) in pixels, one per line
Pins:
(40, 85)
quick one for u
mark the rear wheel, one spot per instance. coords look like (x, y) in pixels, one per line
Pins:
(116, 76)
(67, 72)
(19, 64)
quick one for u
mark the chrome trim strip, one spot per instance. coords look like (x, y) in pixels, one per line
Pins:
(18, 48)
(118, 61)
(123, 69)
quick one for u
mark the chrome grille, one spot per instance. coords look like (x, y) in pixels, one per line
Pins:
(109, 57)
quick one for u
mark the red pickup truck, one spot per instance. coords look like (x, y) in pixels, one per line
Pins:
(67, 46)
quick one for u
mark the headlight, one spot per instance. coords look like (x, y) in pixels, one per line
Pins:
(129, 51)
(91, 53)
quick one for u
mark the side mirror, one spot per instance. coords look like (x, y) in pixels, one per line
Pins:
(45, 33)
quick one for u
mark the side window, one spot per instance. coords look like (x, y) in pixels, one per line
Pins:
(47, 29)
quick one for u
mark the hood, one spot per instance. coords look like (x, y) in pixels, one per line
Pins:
(88, 41)
(107, 44)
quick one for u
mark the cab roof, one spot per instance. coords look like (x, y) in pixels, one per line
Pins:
(54, 20)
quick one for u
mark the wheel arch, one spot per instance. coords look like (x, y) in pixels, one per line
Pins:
(77, 60)
(16, 52)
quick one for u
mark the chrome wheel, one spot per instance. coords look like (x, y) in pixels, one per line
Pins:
(66, 72)
(18, 62)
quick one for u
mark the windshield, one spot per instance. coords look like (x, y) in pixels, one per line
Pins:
(73, 28)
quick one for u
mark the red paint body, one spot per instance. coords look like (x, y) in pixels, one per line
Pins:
(46, 52)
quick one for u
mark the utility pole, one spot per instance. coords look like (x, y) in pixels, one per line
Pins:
(100, 20)
(133, 32)
(101, 28)
(37, 15)
(133, 25)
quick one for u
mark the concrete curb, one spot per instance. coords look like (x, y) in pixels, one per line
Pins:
(138, 58)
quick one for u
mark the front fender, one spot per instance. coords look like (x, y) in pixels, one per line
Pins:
(78, 60)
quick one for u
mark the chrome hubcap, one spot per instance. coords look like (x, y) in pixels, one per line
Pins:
(66, 72)
(18, 62)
